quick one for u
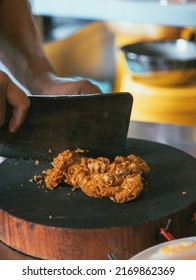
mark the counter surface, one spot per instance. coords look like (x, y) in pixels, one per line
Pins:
(178, 136)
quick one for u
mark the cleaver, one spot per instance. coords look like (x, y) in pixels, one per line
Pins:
(96, 122)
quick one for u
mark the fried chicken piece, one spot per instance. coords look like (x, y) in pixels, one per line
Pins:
(119, 190)
(120, 180)
(61, 164)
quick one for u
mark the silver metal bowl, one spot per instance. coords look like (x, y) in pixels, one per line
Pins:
(168, 62)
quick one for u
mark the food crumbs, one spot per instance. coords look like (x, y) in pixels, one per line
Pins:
(40, 182)
(50, 216)
(50, 151)
(183, 193)
(37, 162)
(37, 177)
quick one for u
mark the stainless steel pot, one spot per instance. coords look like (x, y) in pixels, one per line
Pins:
(164, 63)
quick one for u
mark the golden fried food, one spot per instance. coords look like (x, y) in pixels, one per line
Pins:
(120, 180)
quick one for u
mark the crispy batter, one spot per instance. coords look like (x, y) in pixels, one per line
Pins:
(120, 180)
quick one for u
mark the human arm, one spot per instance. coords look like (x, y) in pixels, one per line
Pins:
(22, 52)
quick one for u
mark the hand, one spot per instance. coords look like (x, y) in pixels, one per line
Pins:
(17, 98)
(11, 93)
(54, 85)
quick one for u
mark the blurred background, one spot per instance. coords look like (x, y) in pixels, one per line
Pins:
(85, 39)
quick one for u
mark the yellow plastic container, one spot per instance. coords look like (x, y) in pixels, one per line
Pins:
(161, 104)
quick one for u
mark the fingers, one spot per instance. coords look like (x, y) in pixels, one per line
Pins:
(2, 108)
(88, 88)
(21, 103)
(3, 89)
(17, 98)
(67, 86)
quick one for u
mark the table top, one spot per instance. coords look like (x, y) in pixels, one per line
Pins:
(182, 137)
(178, 136)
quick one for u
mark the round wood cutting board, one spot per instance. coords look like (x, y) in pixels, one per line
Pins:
(62, 224)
